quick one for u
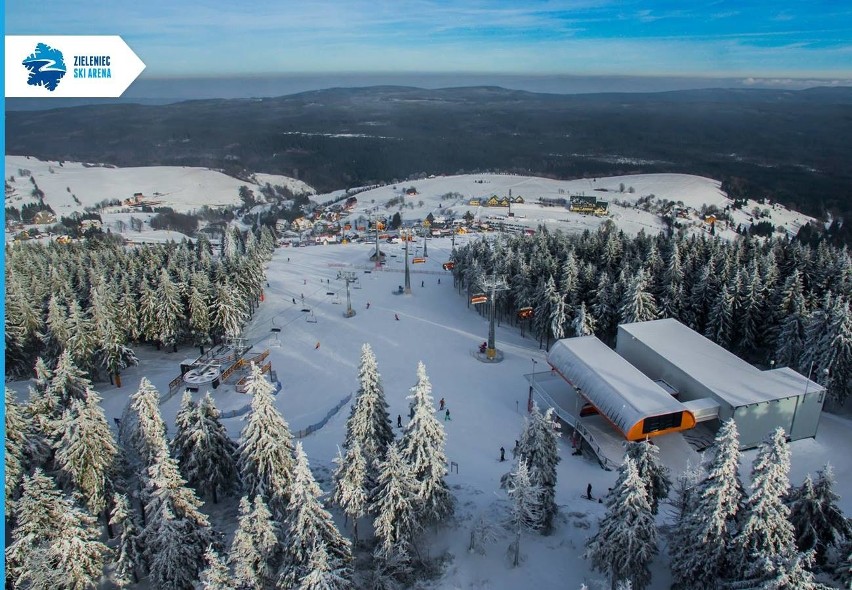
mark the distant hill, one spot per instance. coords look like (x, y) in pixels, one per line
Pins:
(790, 146)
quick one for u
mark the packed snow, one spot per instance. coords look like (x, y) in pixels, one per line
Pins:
(183, 188)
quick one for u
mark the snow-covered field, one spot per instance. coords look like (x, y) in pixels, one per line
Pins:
(487, 402)
(182, 188)
(186, 189)
(692, 191)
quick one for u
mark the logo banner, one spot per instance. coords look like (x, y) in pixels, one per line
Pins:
(69, 66)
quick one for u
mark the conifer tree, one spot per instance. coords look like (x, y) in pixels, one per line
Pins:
(265, 455)
(228, 314)
(638, 304)
(626, 541)
(394, 503)
(176, 533)
(817, 520)
(216, 575)
(369, 423)
(350, 481)
(255, 546)
(25, 447)
(185, 420)
(86, 452)
(766, 534)
(699, 548)
(584, 323)
(646, 457)
(209, 457)
(308, 526)
(55, 543)
(199, 310)
(324, 573)
(422, 448)
(538, 449)
(721, 318)
(68, 382)
(129, 558)
(526, 507)
(148, 437)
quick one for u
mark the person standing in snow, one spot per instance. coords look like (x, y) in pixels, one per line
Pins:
(317, 346)
(442, 404)
(422, 283)
(368, 305)
(396, 316)
(447, 415)
(399, 421)
(502, 454)
(589, 491)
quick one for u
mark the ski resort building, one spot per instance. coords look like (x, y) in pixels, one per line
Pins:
(629, 400)
(704, 375)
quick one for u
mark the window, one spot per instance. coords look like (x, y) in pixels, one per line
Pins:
(664, 422)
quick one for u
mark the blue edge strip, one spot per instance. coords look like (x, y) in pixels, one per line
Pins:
(3, 311)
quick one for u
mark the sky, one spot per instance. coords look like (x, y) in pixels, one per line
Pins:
(757, 43)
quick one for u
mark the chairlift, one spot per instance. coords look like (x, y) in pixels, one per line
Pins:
(448, 265)
(479, 298)
(525, 313)
(418, 260)
(311, 319)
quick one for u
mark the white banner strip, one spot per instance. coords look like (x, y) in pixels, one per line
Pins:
(69, 66)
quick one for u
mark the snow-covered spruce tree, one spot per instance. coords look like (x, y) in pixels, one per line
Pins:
(626, 541)
(148, 435)
(128, 552)
(324, 573)
(638, 304)
(175, 559)
(55, 544)
(56, 329)
(766, 535)
(216, 575)
(227, 312)
(86, 452)
(369, 422)
(199, 310)
(658, 483)
(25, 447)
(843, 571)
(584, 323)
(209, 458)
(185, 419)
(699, 548)
(422, 448)
(525, 513)
(394, 503)
(350, 485)
(721, 318)
(817, 520)
(170, 314)
(308, 526)
(176, 533)
(265, 455)
(254, 550)
(82, 339)
(538, 449)
(839, 365)
(68, 382)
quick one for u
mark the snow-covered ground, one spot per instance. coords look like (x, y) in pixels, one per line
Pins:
(692, 191)
(486, 401)
(186, 189)
(182, 188)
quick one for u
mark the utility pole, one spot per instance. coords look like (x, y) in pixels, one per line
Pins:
(349, 277)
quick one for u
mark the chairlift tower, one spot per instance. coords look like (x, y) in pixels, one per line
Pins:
(426, 225)
(349, 277)
(493, 284)
(405, 234)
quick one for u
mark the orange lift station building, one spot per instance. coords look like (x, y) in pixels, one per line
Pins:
(634, 404)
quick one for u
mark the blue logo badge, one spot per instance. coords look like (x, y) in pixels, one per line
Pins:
(46, 66)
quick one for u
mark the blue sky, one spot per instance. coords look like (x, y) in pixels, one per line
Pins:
(577, 37)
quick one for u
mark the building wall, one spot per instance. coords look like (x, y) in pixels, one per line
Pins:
(798, 416)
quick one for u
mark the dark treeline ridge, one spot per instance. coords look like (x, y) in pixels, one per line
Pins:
(789, 146)
(766, 300)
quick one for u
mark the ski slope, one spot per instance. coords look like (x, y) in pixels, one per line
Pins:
(487, 403)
